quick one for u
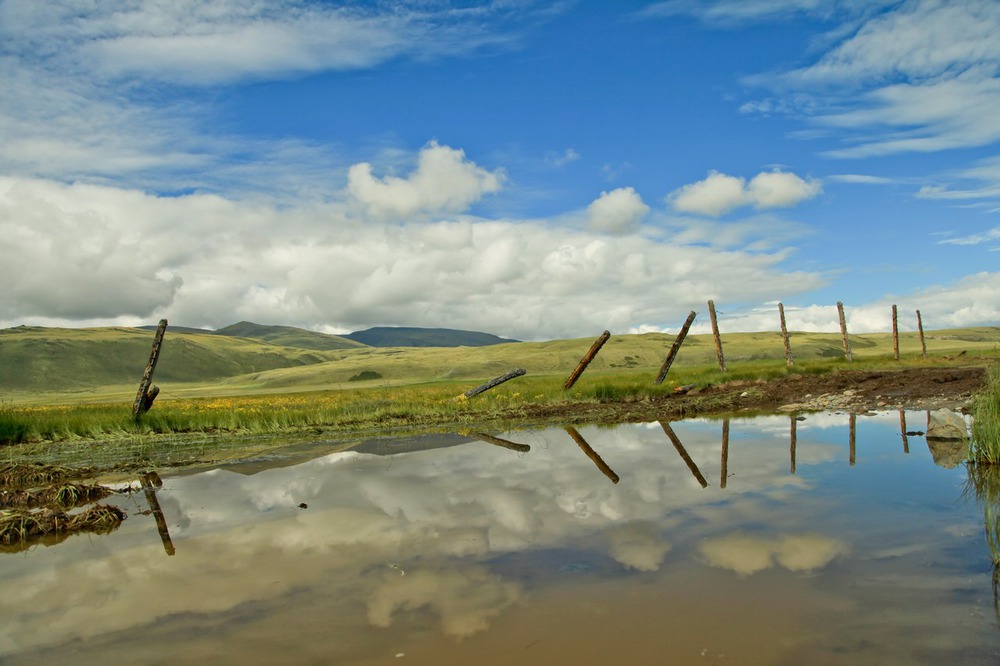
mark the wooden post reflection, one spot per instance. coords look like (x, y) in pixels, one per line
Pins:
(150, 481)
(496, 441)
(853, 428)
(684, 454)
(793, 435)
(592, 454)
(902, 430)
(725, 453)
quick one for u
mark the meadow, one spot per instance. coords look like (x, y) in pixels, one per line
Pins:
(251, 388)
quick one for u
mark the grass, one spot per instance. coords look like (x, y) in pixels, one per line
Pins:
(20, 529)
(985, 446)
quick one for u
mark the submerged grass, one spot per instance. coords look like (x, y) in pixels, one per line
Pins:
(20, 530)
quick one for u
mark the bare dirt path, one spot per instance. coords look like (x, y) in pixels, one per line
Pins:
(846, 390)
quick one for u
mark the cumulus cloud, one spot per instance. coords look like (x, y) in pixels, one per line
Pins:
(443, 181)
(617, 212)
(465, 600)
(720, 193)
(747, 554)
(204, 260)
(639, 546)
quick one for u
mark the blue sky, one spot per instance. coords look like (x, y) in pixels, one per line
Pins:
(535, 170)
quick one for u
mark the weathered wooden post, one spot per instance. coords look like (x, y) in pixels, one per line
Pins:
(507, 444)
(676, 441)
(674, 348)
(793, 436)
(592, 454)
(150, 481)
(784, 335)
(843, 332)
(585, 361)
(144, 398)
(715, 333)
(920, 327)
(724, 475)
(902, 430)
(853, 436)
(516, 372)
(895, 334)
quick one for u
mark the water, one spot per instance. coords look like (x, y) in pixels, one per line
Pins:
(758, 548)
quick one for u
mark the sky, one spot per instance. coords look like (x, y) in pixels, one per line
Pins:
(536, 170)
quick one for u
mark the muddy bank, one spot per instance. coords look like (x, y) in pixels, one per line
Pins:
(847, 390)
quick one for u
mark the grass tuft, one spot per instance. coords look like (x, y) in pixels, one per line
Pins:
(985, 446)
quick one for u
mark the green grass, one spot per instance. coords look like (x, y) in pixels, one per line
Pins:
(207, 392)
(985, 447)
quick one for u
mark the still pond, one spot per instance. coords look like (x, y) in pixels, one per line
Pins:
(832, 539)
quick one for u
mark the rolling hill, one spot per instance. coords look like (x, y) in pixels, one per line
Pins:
(402, 336)
(45, 364)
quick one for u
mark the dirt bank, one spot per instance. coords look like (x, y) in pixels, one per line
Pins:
(846, 390)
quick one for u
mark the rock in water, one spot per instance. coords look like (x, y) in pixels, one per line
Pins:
(946, 424)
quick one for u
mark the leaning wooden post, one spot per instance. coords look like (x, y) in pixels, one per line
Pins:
(592, 454)
(144, 398)
(585, 361)
(150, 481)
(516, 372)
(674, 348)
(724, 474)
(902, 430)
(793, 437)
(843, 332)
(853, 436)
(895, 334)
(505, 443)
(715, 333)
(784, 335)
(920, 327)
(676, 441)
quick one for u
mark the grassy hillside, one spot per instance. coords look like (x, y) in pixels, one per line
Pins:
(626, 353)
(402, 336)
(54, 361)
(289, 336)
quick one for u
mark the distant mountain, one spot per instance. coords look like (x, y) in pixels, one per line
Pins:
(289, 336)
(402, 336)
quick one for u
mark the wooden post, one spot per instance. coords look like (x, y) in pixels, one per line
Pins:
(853, 421)
(674, 348)
(675, 440)
(843, 332)
(715, 333)
(150, 481)
(585, 361)
(793, 428)
(902, 430)
(497, 441)
(592, 454)
(724, 475)
(923, 343)
(784, 335)
(517, 372)
(144, 398)
(895, 334)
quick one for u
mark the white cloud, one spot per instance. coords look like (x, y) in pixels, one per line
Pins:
(748, 554)
(974, 239)
(204, 260)
(920, 76)
(617, 212)
(444, 181)
(720, 193)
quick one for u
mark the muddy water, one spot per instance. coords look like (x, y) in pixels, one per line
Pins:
(702, 543)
